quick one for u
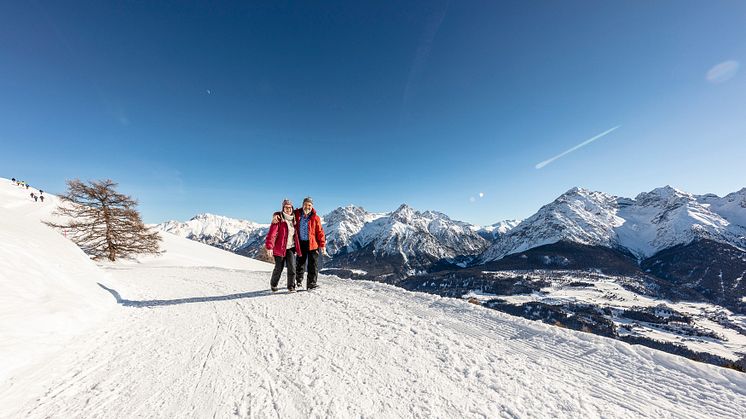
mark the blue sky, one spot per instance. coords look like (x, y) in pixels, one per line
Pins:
(227, 109)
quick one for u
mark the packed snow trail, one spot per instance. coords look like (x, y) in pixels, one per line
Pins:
(213, 342)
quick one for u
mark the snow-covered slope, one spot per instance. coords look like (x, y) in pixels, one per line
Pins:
(731, 207)
(48, 290)
(210, 340)
(653, 221)
(179, 251)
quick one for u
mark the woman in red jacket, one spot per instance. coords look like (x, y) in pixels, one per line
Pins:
(282, 243)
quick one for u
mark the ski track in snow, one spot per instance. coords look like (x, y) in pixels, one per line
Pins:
(214, 342)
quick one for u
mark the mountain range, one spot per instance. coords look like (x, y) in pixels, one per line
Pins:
(665, 269)
(651, 222)
(405, 242)
(651, 233)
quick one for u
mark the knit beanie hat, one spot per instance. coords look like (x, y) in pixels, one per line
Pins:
(308, 199)
(287, 202)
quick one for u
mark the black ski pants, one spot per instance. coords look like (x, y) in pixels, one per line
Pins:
(312, 257)
(280, 262)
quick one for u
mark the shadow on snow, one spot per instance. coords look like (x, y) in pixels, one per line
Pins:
(155, 303)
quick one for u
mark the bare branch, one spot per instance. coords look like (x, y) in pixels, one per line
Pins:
(104, 222)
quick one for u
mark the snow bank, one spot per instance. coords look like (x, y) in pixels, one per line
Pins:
(48, 290)
(179, 251)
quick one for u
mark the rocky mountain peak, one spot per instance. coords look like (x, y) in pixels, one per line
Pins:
(666, 195)
(404, 213)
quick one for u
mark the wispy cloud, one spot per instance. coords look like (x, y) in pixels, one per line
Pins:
(583, 144)
(722, 72)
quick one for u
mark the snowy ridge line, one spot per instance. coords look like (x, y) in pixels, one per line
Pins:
(649, 223)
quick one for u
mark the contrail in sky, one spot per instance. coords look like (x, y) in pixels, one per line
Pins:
(583, 144)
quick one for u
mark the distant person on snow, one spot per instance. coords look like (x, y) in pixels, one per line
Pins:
(41, 197)
(312, 240)
(282, 243)
(34, 197)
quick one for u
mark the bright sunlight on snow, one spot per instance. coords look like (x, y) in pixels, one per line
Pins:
(196, 333)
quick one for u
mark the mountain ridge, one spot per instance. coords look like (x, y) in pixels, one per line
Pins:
(418, 240)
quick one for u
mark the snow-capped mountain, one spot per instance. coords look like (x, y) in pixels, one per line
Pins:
(342, 224)
(578, 215)
(240, 236)
(399, 242)
(497, 230)
(407, 232)
(653, 221)
(666, 217)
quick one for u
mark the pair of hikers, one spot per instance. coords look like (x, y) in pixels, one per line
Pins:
(296, 237)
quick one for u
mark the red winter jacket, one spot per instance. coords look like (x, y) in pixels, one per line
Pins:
(277, 239)
(316, 235)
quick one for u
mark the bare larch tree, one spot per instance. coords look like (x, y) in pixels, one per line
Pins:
(104, 222)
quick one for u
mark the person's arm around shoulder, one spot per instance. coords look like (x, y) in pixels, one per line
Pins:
(297, 214)
(276, 217)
